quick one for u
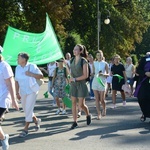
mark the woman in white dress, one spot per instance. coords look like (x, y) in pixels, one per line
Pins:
(99, 83)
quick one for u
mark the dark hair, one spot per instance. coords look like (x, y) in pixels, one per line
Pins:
(24, 55)
(83, 48)
(60, 60)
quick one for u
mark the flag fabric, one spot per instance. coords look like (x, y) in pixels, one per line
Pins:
(41, 47)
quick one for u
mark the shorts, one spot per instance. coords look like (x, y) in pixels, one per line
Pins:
(97, 86)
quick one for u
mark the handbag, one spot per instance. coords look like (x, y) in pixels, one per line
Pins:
(38, 81)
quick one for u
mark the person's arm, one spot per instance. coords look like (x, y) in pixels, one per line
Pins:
(17, 90)
(37, 75)
(11, 88)
(133, 71)
(42, 69)
(125, 77)
(93, 68)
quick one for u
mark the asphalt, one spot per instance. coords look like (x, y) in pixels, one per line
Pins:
(120, 129)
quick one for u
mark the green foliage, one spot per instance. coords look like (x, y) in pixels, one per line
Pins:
(30, 15)
(75, 21)
(129, 20)
(144, 46)
(70, 42)
(134, 59)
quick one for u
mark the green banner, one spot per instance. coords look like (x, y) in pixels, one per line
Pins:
(42, 47)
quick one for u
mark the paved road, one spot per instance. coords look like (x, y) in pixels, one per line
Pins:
(121, 129)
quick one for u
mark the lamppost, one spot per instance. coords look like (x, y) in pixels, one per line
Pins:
(106, 21)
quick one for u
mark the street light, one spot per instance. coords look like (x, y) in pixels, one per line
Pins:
(106, 21)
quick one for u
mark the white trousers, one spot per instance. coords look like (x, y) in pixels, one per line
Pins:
(28, 103)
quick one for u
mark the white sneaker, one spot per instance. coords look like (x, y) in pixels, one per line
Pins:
(114, 106)
(58, 111)
(54, 104)
(64, 112)
(92, 98)
(124, 103)
(37, 124)
(5, 144)
(79, 114)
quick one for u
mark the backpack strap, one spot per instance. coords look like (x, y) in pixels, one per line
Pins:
(72, 60)
(65, 73)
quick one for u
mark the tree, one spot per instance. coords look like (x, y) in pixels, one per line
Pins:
(29, 15)
(129, 20)
(144, 46)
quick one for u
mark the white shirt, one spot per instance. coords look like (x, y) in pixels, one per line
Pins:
(100, 66)
(51, 69)
(91, 67)
(128, 70)
(68, 62)
(24, 80)
(5, 73)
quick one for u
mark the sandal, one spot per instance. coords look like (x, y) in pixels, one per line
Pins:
(23, 134)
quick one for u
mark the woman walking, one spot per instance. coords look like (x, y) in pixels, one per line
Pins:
(59, 83)
(27, 90)
(79, 90)
(119, 78)
(99, 83)
(7, 96)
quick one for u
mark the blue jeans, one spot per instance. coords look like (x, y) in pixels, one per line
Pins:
(91, 91)
(50, 90)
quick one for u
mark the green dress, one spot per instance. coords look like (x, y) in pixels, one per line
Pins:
(78, 88)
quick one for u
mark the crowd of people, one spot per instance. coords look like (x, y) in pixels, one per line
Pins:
(104, 77)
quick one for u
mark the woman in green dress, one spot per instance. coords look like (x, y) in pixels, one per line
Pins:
(79, 90)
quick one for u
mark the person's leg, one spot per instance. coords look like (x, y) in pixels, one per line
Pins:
(85, 109)
(107, 89)
(123, 97)
(64, 109)
(74, 112)
(97, 102)
(79, 110)
(74, 108)
(29, 107)
(51, 91)
(57, 102)
(83, 106)
(58, 105)
(3, 137)
(102, 100)
(91, 91)
(114, 97)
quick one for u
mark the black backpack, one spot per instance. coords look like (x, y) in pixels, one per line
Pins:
(89, 69)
